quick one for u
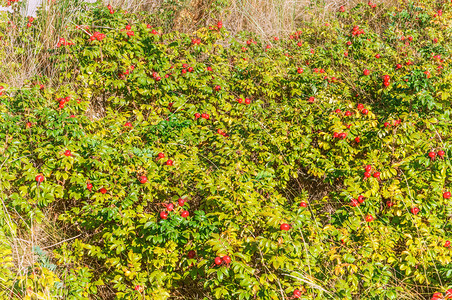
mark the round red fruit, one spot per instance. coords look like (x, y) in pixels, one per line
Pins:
(89, 186)
(218, 261)
(161, 155)
(369, 218)
(364, 111)
(366, 174)
(67, 153)
(284, 226)
(39, 178)
(441, 153)
(376, 175)
(446, 195)
(296, 294)
(368, 168)
(432, 155)
(303, 204)
(103, 190)
(226, 259)
(143, 179)
(366, 72)
(184, 214)
(360, 199)
(163, 215)
(447, 244)
(169, 162)
(414, 210)
(170, 207)
(181, 202)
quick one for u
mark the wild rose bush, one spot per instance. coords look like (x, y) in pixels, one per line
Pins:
(311, 166)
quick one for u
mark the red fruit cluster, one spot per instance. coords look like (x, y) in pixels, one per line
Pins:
(371, 4)
(63, 42)
(221, 132)
(356, 31)
(220, 260)
(30, 20)
(97, 36)
(110, 8)
(62, 101)
(363, 110)
(356, 202)
(341, 135)
(249, 42)
(386, 79)
(128, 124)
(342, 8)
(367, 172)
(439, 296)
(196, 41)
(203, 115)
(316, 70)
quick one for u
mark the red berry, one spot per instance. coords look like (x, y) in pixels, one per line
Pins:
(398, 66)
(354, 203)
(170, 207)
(369, 218)
(447, 244)
(191, 254)
(39, 178)
(300, 70)
(446, 195)
(226, 259)
(297, 293)
(360, 106)
(169, 162)
(366, 72)
(67, 153)
(377, 56)
(181, 202)
(161, 155)
(387, 124)
(303, 204)
(184, 214)
(336, 134)
(217, 88)
(163, 215)
(357, 139)
(364, 111)
(103, 190)
(376, 175)
(284, 226)
(343, 135)
(441, 153)
(143, 179)
(197, 115)
(414, 210)
(89, 186)
(360, 199)
(240, 100)
(247, 101)
(218, 260)
(389, 203)
(348, 113)
(432, 155)
(437, 296)
(366, 174)
(368, 168)
(127, 124)
(311, 99)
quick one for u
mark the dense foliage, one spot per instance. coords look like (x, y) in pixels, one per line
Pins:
(312, 166)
